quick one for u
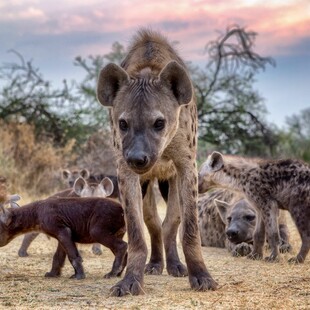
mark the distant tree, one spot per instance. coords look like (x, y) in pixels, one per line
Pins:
(96, 115)
(27, 97)
(295, 139)
(230, 111)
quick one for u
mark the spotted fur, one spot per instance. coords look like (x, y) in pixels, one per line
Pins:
(269, 185)
(154, 124)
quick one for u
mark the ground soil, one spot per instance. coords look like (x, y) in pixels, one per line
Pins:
(243, 283)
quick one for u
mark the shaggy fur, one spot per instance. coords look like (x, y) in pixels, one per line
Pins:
(227, 220)
(70, 220)
(269, 185)
(81, 188)
(154, 125)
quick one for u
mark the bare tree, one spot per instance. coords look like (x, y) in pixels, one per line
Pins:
(231, 113)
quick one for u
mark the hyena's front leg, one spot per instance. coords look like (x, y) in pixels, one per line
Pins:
(270, 213)
(130, 191)
(199, 277)
(258, 238)
(170, 230)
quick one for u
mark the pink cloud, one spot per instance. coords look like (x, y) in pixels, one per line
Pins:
(193, 23)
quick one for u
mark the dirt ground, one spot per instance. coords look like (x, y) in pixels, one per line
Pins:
(243, 284)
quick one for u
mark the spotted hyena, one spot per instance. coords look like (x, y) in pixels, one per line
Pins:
(71, 175)
(154, 125)
(81, 188)
(269, 185)
(226, 219)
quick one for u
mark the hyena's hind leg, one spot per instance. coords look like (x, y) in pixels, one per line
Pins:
(301, 217)
(170, 229)
(28, 238)
(153, 223)
(284, 246)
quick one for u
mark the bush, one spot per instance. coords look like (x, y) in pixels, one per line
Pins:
(31, 164)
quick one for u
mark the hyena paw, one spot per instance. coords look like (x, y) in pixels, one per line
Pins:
(271, 259)
(202, 282)
(255, 256)
(78, 276)
(23, 253)
(285, 248)
(52, 274)
(111, 274)
(129, 285)
(296, 260)
(242, 249)
(177, 269)
(96, 249)
(154, 268)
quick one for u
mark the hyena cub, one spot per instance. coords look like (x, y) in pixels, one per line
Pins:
(70, 176)
(269, 185)
(81, 188)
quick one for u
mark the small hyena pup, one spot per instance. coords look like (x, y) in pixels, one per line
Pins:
(269, 185)
(81, 188)
(70, 221)
(70, 176)
(228, 220)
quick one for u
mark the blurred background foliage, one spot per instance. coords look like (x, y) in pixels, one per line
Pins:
(46, 128)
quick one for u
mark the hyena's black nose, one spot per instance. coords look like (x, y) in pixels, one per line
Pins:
(232, 233)
(137, 159)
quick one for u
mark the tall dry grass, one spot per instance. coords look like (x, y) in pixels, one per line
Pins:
(31, 165)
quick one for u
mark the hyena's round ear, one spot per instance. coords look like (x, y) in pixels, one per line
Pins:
(65, 174)
(215, 161)
(79, 185)
(177, 79)
(111, 78)
(107, 185)
(222, 208)
(84, 173)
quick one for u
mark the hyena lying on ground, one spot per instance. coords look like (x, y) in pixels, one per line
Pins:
(268, 185)
(70, 220)
(81, 188)
(227, 220)
(154, 125)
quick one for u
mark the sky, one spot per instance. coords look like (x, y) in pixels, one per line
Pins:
(53, 33)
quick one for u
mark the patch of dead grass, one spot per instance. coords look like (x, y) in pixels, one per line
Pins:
(243, 284)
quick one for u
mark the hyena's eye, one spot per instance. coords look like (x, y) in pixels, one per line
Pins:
(159, 124)
(228, 219)
(249, 218)
(123, 126)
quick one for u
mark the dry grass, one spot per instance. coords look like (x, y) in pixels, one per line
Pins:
(243, 284)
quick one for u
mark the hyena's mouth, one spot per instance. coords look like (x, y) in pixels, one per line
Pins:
(240, 240)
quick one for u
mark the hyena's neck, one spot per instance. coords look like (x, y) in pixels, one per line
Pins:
(231, 178)
(23, 220)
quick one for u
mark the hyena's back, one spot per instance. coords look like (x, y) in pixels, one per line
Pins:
(149, 50)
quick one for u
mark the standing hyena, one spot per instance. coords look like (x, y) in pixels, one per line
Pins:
(268, 185)
(154, 124)
(81, 188)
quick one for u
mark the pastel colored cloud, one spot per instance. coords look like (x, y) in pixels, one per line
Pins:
(280, 24)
